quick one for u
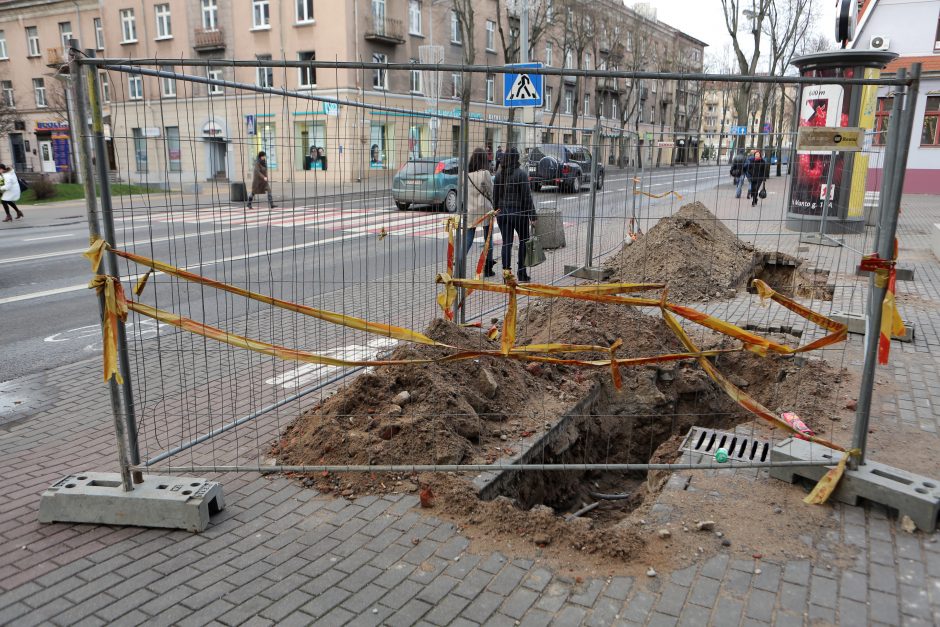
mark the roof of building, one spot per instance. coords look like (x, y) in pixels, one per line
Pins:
(930, 63)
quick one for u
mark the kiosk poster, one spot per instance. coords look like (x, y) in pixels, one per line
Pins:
(821, 105)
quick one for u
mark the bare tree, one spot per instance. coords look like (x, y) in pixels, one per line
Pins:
(541, 18)
(736, 11)
(9, 117)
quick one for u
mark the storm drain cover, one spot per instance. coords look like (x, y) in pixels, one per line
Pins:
(740, 447)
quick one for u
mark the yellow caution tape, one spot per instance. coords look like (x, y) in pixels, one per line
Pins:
(115, 308)
(830, 481)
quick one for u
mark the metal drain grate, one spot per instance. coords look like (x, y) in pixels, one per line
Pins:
(739, 447)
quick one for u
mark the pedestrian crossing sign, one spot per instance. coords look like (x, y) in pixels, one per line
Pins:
(523, 89)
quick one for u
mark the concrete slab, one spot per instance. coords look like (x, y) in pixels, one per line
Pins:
(165, 502)
(903, 273)
(589, 273)
(856, 324)
(916, 496)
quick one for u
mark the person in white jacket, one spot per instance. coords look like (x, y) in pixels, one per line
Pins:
(479, 203)
(11, 192)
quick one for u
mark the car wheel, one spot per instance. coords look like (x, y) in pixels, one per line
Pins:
(576, 184)
(450, 201)
(600, 181)
(402, 206)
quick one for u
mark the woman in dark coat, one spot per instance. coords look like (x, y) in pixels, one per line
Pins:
(758, 171)
(513, 198)
(259, 180)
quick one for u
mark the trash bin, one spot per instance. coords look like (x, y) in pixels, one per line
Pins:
(237, 193)
(550, 228)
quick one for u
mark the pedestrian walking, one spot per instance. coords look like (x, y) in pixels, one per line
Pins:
(737, 172)
(11, 192)
(758, 171)
(499, 158)
(259, 180)
(480, 203)
(513, 199)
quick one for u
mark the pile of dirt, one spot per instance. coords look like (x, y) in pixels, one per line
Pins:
(436, 413)
(692, 252)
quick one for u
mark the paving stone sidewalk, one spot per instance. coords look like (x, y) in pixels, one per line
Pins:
(282, 554)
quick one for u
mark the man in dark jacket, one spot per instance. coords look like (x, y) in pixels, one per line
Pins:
(758, 171)
(513, 199)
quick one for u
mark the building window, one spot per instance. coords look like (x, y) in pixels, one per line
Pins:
(210, 14)
(936, 39)
(173, 152)
(490, 87)
(416, 83)
(308, 74)
(379, 75)
(304, 11)
(65, 34)
(168, 85)
(140, 149)
(588, 61)
(215, 74)
(490, 36)
(569, 60)
(457, 83)
(3, 45)
(587, 104)
(39, 89)
(456, 34)
(164, 29)
(7, 88)
(414, 17)
(105, 86)
(128, 26)
(265, 74)
(548, 53)
(135, 87)
(32, 41)
(882, 114)
(260, 14)
(569, 100)
(928, 136)
(99, 34)
(614, 115)
(548, 97)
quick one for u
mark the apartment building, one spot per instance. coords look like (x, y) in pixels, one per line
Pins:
(34, 114)
(183, 133)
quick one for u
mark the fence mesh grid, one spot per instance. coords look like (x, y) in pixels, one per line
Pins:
(341, 233)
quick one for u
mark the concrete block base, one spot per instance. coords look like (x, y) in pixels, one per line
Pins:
(856, 324)
(166, 502)
(589, 273)
(901, 274)
(820, 240)
(909, 494)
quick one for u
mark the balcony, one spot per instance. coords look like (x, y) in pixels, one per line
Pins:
(205, 40)
(385, 30)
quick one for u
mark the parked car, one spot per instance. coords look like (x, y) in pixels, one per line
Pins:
(567, 167)
(427, 181)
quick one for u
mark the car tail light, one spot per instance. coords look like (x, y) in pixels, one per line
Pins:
(439, 168)
(565, 169)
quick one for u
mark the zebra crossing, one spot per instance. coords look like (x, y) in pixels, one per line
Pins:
(379, 222)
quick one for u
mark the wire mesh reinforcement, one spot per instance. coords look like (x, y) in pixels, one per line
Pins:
(344, 230)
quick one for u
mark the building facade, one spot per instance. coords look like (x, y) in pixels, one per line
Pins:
(183, 133)
(911, 29)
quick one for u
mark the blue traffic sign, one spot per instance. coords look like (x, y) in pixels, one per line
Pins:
(523, 89)
(739, 130)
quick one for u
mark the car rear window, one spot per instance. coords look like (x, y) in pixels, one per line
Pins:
(419, 168)
(547, 150)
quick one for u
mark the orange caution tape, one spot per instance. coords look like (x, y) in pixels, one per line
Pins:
(95, 252)
(885, 276)
(830, 481)
(115, 308)
(509, 322)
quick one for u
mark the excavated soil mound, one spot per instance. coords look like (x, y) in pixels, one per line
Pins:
(693, 252)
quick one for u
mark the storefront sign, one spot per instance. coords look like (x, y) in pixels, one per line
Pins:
(833, 139)
(49, 127)
(60, 153)
(212, 129)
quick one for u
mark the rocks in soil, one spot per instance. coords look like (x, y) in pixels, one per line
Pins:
(541, 538)
(402, 397)
(664, 534)
(907, 524)
(651, 572)
(705, 525)
(487, 384)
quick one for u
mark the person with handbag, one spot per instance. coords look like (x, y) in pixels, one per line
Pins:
(758, 171)
(259, 180)
(480, 203)
(737, 172)
(11, 192)
(513, 199)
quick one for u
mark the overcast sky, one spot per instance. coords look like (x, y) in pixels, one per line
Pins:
(703, 19)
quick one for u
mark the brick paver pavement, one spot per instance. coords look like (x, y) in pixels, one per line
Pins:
(283, 554)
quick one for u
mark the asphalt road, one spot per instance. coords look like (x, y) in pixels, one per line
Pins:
(49, 317)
